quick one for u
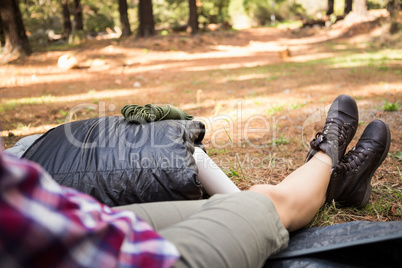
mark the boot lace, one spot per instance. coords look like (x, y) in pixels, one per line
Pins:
(350, 162)
(334, 129)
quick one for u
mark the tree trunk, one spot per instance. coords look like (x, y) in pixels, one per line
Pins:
(360, 7)
(2, 38)
(348, 7)
(66, 20)
(146, 27)
(125, 24)
(394, 10)
(193, 16)
(16, 40)
(330, 8)
(79, 26)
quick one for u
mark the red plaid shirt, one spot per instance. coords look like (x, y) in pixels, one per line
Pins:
(43, 224)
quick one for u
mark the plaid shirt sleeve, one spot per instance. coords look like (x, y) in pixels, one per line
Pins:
(43, 224)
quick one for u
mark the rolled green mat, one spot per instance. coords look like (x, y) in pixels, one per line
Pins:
(150, 113)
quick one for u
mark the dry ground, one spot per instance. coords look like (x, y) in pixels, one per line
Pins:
(260, 109)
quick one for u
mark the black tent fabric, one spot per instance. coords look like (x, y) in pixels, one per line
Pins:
(120, 163)
(352, 244)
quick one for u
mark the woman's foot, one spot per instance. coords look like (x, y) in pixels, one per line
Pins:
(339, 129)
(350, 180)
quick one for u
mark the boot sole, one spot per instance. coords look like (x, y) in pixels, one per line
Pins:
(367, 195)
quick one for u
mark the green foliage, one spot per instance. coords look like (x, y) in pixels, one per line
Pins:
(265, 12)
(214, 11)
(275, 108)
(232, 173)
(280, 141)
(170, 13)
(287, 24)
(296, 106)
(42, 15)
(98, 23)
(376, 4)
(391, 106)
(63, 112)
(398, 155)
(39, 14)
(99, 15)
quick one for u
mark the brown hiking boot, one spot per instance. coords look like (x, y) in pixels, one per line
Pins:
(339, 129)
(350, 179)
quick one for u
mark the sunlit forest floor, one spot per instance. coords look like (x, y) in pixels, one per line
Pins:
(261, 93)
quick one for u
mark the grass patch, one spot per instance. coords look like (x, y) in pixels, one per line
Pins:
(395, 159)
(63, 112)
(59, 47)
(357, 63)
(233, 170)
(375, 59)
(270, 161)
(11, 104)
(232, 173)
(275, 108)
(397, 155)
(279, 141)
(391, 106)
(6, 107)
(329, 214)
(386, 205)
(387, 202)
(272, 78)
(35, 100)
(216, 151)
(287, 24)
(296, 106)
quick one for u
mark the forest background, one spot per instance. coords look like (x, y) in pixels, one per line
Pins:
(76, 20)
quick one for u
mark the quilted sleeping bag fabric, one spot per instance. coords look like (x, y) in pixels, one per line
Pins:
(119, 163)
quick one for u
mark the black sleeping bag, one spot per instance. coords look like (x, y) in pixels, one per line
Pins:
(351, 244)
(120, 163)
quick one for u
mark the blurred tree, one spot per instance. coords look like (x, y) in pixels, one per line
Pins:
(78, 16)
(394, 7)
(2, 39)
(212, 11)
(16, 41)
(125, 24)
(100, 15)
(193, 16)
(146, 25)
(67, 28)
(330, 8)
(360, 7)
(222, 7)
(348, 7)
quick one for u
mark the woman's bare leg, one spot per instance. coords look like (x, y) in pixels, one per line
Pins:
(300, 195)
